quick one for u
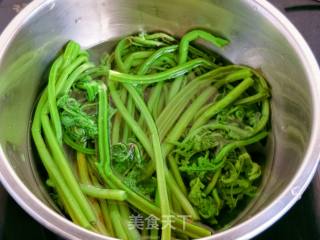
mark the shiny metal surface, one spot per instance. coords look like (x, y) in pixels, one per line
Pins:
(261, 37)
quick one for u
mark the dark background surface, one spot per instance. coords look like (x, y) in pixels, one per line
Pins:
(302, 222)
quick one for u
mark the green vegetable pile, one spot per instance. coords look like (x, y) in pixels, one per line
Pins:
(158, 128)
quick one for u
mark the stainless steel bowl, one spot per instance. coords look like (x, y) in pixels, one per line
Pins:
(261, 37)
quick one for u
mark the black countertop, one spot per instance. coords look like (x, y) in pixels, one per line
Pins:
(302, 222)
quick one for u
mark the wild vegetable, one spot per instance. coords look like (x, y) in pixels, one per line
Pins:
(159, 128)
